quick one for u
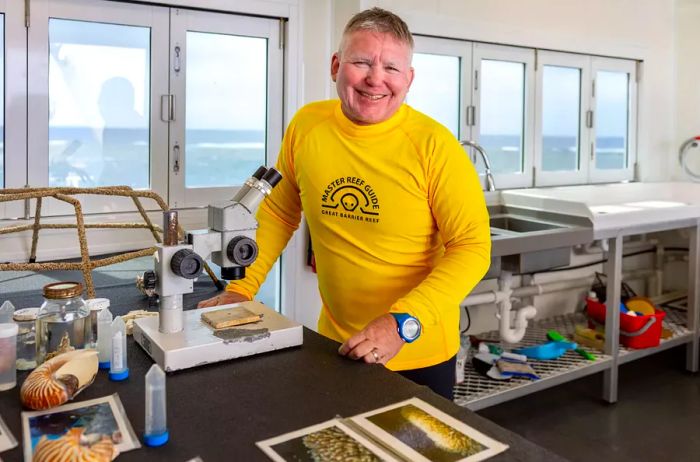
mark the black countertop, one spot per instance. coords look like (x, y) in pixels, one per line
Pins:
(219, 411)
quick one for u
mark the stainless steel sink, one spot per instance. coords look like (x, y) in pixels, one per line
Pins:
(519, 225)
(525, 240)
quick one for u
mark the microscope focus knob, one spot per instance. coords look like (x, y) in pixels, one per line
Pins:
(187, 264)
(242, 250)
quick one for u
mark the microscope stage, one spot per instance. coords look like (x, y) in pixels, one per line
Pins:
(200, 344)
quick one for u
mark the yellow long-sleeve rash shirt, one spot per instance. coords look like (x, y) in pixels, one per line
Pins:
(397, 219)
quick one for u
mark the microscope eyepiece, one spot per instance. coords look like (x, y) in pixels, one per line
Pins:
(272, 177)
(260, 172)
(242, 250)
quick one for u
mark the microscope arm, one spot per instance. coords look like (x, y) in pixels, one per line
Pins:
(205, 243)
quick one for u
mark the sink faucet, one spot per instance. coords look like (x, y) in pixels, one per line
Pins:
(490, 185)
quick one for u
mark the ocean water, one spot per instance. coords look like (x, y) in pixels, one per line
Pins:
(559, 153)
(81, 157)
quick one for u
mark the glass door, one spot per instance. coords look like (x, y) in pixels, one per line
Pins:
(226, 83)
(102, 69)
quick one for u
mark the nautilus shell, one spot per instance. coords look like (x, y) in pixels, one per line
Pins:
(75, 447)
(59, 379)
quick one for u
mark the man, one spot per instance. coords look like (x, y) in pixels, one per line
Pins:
(394, 208)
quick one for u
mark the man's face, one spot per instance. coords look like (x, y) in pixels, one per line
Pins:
(372, 75)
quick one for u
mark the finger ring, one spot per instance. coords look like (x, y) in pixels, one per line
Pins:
(376, 356)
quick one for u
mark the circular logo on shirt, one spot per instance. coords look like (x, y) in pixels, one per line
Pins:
(351, 198)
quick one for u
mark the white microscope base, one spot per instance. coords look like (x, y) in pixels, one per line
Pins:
(197, 344)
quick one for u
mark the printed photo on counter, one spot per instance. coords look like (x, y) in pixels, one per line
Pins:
(419, 432)
(93, 419)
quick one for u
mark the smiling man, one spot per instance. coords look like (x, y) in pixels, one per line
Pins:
(394, 208)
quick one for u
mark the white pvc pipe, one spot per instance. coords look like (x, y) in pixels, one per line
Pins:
(171, 318)
(517, 333)
(508, 333)
(490, 297)
(505, 292)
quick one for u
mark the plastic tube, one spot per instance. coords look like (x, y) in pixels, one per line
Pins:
(119, 369)
(156, 428)
(104, 338)
(7, 310)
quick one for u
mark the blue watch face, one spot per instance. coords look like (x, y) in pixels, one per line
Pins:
(410, 329)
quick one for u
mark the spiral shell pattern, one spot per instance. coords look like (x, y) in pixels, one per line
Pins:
(43, 390)
(70, 448)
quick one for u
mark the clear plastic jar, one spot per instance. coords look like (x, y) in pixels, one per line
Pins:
(63, 322)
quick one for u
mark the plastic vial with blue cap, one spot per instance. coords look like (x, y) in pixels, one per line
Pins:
(156, 432)
(104, 338)
(118, 369)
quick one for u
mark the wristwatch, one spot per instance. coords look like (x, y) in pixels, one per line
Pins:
(409, 327)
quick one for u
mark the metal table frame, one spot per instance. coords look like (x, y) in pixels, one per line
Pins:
(478, 392)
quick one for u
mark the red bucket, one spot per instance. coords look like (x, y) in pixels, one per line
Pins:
(635, 331)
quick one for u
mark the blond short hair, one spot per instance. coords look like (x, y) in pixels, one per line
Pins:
(378, 20)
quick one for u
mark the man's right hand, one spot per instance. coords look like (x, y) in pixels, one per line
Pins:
(224, 298)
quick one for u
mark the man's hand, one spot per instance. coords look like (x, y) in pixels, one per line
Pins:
(378, 342)
(224, 298)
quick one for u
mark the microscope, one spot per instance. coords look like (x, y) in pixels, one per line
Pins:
(178, 339)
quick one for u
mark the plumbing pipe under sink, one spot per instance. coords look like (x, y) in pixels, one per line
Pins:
(509, 334)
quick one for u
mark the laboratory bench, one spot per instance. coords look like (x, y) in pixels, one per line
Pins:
(219, 411)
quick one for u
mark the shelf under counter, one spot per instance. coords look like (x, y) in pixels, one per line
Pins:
(478, 391)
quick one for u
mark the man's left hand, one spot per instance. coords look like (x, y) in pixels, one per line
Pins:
(378, 342)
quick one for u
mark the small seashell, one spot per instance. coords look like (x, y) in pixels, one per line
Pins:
(75, 447)
(59, 379)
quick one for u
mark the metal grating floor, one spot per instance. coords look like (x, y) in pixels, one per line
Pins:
(571, 365)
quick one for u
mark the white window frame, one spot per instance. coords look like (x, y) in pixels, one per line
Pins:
(519, 55)
(15, 109)
(462, 50)
(563, 177)
(153, 17)
(627, 173)
(183, 21)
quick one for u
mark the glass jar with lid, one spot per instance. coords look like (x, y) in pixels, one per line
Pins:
(26, 337)
(63, 322)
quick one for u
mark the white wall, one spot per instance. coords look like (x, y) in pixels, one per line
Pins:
(687, 83)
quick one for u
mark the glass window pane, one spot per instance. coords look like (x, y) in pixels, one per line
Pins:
(226, 108)
(611, 126)
(2, 101)
(503, 114)
(99, 95)
(441, 102)
(269, 292)
(561, 99)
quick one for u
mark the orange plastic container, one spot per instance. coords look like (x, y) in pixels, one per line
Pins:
(635, 331)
